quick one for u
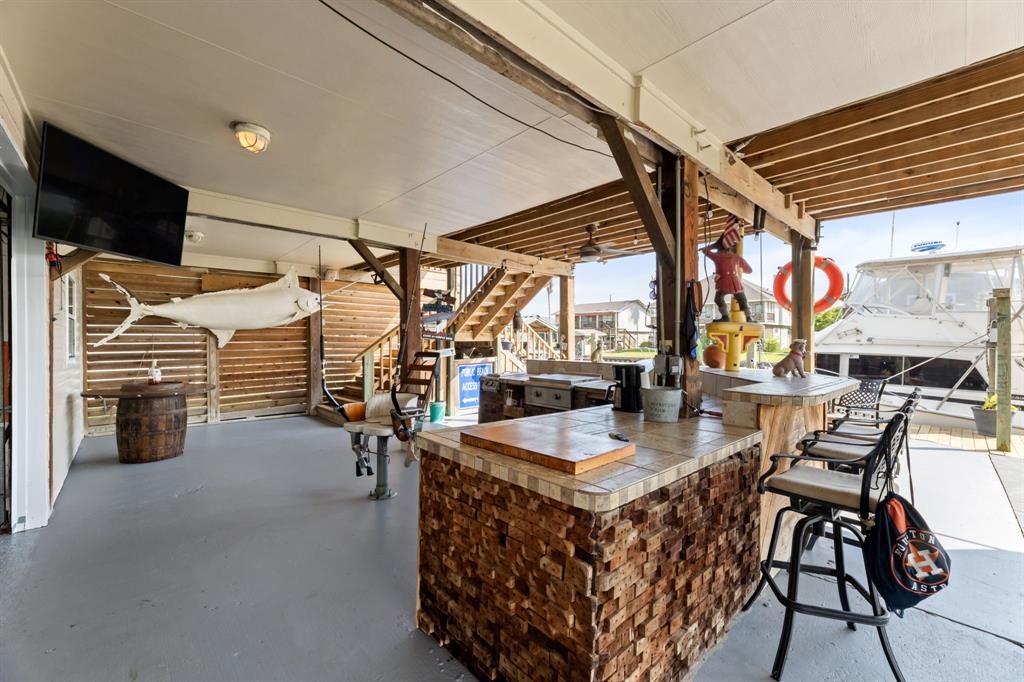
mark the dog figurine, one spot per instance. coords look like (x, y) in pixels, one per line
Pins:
(794, 362)
(598, 354)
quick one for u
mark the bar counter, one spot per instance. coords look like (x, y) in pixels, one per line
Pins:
(631, 570)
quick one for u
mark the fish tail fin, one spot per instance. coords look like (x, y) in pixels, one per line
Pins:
(138, 311)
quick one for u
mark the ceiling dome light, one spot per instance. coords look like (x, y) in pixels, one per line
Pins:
(252, 137)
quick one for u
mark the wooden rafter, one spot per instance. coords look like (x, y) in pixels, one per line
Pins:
(72, 261)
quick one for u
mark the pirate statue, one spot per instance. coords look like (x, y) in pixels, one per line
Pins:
(727, 265)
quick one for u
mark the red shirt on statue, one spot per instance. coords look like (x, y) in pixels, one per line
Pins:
(727, 279)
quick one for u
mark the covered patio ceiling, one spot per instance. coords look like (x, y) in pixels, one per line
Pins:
(956, 136)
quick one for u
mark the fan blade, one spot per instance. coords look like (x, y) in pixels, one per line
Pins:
(614, 252)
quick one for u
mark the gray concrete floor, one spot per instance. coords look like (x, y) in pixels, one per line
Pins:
(256, 556)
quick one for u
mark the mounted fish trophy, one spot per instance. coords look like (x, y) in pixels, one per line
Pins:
(225, 312)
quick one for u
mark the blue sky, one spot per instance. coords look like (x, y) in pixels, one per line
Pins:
(985, 222)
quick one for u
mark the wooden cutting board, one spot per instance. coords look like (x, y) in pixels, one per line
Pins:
(567, 451)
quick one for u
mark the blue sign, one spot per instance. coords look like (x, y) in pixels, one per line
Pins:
(469, 383)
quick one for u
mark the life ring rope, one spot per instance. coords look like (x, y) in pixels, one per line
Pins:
(836, 284)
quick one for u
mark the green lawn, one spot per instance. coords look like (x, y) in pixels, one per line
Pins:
(631, 354)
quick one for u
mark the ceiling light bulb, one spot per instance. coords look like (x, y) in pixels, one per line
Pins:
(252, 137)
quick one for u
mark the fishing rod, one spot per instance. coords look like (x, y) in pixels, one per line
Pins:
(323, 352)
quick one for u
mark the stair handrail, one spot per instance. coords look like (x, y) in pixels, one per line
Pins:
(535, 340)
(378, 343)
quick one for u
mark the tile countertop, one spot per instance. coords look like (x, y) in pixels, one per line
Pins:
(665, 453)
(767, 389)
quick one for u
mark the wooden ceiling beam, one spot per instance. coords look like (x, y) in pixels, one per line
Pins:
(902, 169)
(1002, 67)
(859, 200)
(980, 135)
(896, 138)
(963, 104)
(612, 193)
(969, 191)
(962, 176)
(462, 252)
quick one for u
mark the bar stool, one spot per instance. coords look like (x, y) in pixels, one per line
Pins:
(822, 496)
(848, 437)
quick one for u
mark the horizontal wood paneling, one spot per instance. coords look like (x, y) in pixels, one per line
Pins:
(180, 353)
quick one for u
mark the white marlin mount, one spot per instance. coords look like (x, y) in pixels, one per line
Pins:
(225, 312)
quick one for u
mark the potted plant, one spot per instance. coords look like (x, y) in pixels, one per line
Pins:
(985, 416)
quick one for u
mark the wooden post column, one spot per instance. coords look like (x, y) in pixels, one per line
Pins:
(691, 276)
(567, 315)
(410, 314)
(316, 391)
(803, 295)
(1004, 416)
(671, 207)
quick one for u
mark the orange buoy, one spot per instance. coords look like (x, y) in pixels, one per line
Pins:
(835, 284)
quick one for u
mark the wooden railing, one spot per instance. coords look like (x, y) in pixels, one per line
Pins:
(536, 347)
(380, 363)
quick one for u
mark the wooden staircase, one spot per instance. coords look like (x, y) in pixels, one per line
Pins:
(494, 302)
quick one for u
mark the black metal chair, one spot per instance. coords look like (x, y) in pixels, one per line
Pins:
(863, 402)
(847, 437)
(828, 496)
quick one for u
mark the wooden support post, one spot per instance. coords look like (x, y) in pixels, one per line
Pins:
(795, 282)
(671, 204)
(212, 379)
(803, 295)
(691, 276)
(567, 315)
(410, 313)
(1004, 415)
(316, 390)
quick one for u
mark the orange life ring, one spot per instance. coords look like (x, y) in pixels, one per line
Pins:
(835, 284)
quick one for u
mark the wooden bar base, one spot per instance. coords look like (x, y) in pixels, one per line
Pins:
(520, 586)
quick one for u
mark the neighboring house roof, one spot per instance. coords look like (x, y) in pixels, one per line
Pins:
(608, 306)
(751, 289)
(550, 323)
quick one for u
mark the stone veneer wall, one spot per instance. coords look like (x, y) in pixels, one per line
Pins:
(523, 587)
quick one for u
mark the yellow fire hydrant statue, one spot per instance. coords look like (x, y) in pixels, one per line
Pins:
(735, 336)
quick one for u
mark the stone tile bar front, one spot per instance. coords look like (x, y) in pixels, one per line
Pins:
(628, 572)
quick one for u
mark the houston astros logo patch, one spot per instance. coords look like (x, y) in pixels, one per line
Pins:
(918, 564)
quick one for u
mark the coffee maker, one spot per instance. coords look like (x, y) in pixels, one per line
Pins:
(628, 381)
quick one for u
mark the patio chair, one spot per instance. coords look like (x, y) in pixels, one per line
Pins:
(823, 495)
(847, 437)
(863, 402)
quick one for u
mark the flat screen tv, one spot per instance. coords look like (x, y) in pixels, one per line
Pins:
(92, 199)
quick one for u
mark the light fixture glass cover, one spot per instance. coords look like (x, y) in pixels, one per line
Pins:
(252, 137)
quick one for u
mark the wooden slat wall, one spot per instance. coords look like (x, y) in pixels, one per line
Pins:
(357, 315)
(180, 353)
(262, 371)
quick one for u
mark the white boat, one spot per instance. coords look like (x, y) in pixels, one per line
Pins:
(902, 312)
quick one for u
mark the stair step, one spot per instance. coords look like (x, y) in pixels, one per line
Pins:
(418, 382)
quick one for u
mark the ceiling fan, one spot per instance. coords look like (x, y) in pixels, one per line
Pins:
(592, 251)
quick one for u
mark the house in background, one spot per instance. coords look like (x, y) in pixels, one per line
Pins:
(765, 308)
(545, 327)
(625, 324)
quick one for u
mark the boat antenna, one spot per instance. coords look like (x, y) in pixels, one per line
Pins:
(323, 353)
(892, 233)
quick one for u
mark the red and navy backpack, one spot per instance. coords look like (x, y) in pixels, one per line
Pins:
(906, 562)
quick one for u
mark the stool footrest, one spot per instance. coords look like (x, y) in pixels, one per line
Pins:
(821, 611)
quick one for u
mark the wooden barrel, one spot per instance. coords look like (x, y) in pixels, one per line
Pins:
(151, 422)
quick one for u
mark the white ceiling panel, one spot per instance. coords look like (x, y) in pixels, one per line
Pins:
(355, 126)
(640, 33)
(759, 65)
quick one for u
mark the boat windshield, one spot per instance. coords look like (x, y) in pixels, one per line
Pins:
(963, 286)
